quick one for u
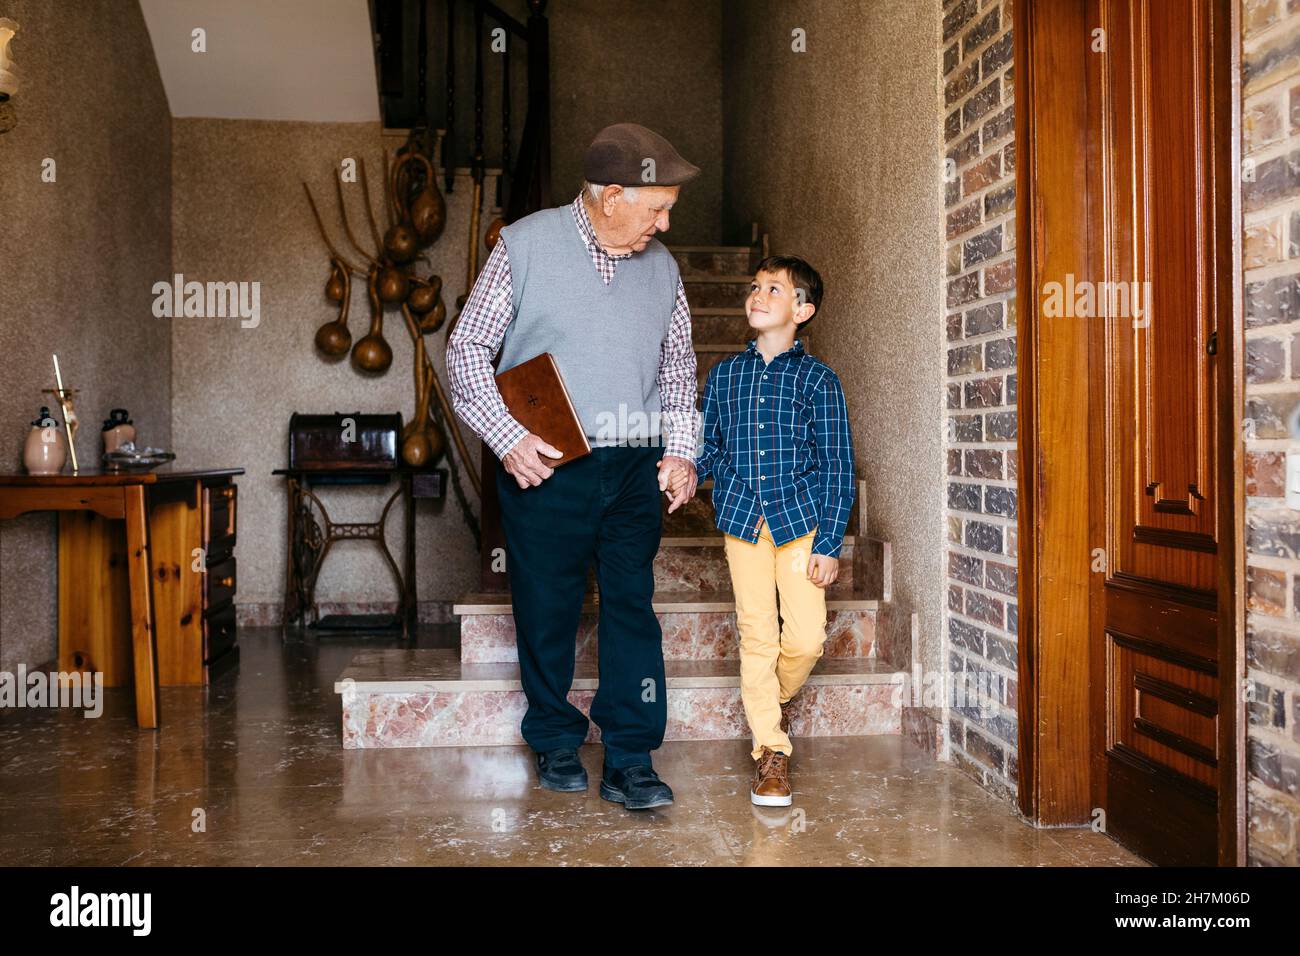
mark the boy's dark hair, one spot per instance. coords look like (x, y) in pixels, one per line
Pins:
(802, 276)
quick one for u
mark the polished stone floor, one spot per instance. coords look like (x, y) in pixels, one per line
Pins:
(252, 772)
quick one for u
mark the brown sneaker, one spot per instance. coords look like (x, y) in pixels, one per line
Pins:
(771, 786)
(786, 708)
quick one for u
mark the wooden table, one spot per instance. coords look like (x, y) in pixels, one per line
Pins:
(116, 495)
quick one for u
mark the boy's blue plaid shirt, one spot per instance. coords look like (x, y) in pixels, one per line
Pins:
(777, 444)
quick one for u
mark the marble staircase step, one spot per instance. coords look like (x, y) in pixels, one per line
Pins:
(696, 517)
(715, 260)
(720, 325)
(716, 338)
(717, 291)
(696, 626)
(496, 602)
(429, 698)
(708, 355)
(693, 519)
(688, 562)
(692, 557)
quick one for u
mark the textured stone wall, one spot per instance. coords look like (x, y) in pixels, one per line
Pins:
(1271, 261)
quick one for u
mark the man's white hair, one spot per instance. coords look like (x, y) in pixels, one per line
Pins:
(596, 190)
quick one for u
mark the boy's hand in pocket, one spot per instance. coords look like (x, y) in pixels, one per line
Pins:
(823, 570)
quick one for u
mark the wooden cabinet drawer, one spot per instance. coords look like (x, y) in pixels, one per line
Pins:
(219, 583)
(220, 506)
(218, 631)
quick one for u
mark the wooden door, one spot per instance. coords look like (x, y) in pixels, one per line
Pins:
(1144, 261)
(1157, 390)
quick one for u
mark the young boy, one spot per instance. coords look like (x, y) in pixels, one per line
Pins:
(778, 447)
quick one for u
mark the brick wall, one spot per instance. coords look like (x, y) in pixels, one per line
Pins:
(980, 277)
(1271, 261)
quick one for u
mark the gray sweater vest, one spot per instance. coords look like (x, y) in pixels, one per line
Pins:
(606, 339)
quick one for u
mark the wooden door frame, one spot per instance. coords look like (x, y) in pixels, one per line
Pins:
(1052, 199)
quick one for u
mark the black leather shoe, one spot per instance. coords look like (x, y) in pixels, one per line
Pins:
(637, 788)
(561, 770)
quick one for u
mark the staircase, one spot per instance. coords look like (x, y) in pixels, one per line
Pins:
(441, 698)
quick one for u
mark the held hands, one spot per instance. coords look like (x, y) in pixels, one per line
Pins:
(677, 479)
(527, 460)
(823, 570)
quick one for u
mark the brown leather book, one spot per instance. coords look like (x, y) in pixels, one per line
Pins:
(535, 394)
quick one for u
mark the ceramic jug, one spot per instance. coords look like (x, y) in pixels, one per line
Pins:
(117, 430)
(45, 450)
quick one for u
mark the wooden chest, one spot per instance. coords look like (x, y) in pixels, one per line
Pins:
(352, 441)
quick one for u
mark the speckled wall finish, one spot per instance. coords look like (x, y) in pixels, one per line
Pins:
(239, 214)
(836, 152)
(77, 259)
(660, 64)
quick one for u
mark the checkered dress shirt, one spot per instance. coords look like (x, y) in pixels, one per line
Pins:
(482, 326)
(777, 445)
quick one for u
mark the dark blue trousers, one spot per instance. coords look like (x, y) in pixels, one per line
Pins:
(602, 509)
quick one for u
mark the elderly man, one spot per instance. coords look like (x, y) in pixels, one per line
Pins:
(590, 284)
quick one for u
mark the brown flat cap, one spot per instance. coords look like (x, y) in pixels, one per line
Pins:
(619, 154)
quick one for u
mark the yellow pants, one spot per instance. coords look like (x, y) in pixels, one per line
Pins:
(774, 664)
